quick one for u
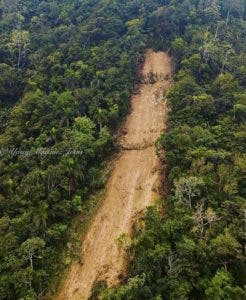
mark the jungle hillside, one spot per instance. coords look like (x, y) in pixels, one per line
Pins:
(154, 87)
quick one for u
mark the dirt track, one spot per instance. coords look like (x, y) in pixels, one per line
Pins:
(132, 187)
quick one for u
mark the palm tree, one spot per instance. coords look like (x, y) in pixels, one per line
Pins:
(40, 215)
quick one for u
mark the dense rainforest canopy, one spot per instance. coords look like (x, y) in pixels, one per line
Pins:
(67, 70)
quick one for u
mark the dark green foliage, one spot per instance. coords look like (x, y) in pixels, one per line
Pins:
(195, 248)
(67, 70)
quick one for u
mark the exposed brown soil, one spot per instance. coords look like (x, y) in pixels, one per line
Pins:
(132, 187)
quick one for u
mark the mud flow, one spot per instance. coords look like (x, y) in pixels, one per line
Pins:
(132, 187)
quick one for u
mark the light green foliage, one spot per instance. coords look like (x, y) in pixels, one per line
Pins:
(67, 70)
(195, 249)
(221, 287)
(179, 47)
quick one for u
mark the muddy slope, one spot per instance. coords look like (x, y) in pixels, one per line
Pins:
(133, 185)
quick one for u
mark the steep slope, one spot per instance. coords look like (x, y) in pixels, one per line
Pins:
(132, 187)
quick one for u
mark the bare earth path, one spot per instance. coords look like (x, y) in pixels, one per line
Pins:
(131, 188)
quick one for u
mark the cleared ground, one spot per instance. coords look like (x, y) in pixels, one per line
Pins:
(132, 187)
